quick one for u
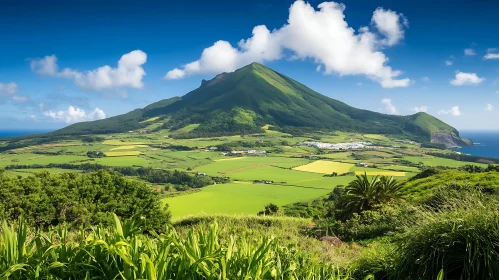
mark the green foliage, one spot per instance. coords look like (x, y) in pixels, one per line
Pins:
(461, 240)
(180, 178)
(91, 138)
(433, 146)
(95, 154)
(46, 199)
(369, 224)
(121, 252)
(425, 173)
(465, 157)
(417, 189)
(363, 194)
(269, 210)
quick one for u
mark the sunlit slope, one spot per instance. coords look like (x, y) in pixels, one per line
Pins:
(254, 96)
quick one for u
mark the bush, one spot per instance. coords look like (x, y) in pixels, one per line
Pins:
(462, 241)
(269, 210)
(385, 220)
(50, 199)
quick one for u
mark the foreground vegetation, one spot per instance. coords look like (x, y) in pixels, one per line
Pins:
(369, 229)
(123, 252)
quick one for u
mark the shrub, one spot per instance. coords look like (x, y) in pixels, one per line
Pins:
(363, 194)
(381, 221)
(50, 199)
(269, 210)
(461, 240)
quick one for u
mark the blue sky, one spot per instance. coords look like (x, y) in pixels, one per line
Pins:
(69, 61)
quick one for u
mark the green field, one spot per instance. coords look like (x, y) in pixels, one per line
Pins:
(434, 161)
(297, 172)
(122, 154)
(325, 167)
(238, 198)
(381, 173)
(230, 165)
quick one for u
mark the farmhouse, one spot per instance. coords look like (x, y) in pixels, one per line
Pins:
(361, 164)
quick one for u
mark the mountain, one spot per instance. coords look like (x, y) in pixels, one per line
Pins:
(249, 98)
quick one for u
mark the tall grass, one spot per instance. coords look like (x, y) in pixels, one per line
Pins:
(455, 236)
(123, 252)
(462, 239)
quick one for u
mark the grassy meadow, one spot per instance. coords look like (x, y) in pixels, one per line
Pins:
(297, 173)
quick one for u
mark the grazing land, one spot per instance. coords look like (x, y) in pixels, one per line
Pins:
(239, 198)
(284, 173)
(122, 154)
(325, 167)
(381, 173)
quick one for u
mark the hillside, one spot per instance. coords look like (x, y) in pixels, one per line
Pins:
(243, 101)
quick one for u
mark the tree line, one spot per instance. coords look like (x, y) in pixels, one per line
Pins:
(181, 179)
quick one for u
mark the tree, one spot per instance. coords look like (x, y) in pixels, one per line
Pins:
(269, 210)
(363, 194)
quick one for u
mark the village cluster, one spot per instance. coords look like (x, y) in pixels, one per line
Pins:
(339, 146)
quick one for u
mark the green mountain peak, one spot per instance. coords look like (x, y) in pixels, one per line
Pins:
(245, 100)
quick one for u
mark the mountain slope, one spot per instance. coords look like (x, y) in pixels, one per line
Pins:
(245, 100)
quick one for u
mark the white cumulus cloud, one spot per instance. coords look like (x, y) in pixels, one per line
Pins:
(492, 54)
(453, 111)
(489, 107)
(420, 109)
(322, 36)
(469, 52)
(389, 107)
(73, 115)
(390, 24)
(128, 73)
(45, 66)
(464, 79)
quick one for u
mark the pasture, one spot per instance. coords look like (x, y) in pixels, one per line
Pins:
(128, 147)
(122, 154)
(238, 198)
(123, 161)
(381, 173)
(116, 142)
(30, 159)
(434, 161)
(245, 163)
(376, 136)
(272, 173)
(325, 167)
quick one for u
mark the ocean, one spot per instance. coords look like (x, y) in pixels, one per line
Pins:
(14, 132)
(486, 143)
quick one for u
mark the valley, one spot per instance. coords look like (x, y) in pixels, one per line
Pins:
(293, 171)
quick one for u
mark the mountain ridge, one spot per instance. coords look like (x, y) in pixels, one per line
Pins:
(243, 101)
